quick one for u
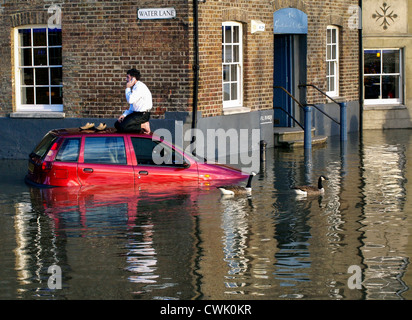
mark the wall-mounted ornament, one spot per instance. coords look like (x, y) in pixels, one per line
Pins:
(385, 15)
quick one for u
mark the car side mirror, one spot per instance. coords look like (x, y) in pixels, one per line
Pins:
(186, 164)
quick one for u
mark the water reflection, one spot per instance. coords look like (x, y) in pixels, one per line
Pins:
(384, 216)
(97, 233)
(235, 237)
(180, 242)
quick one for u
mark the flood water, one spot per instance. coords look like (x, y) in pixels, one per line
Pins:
(167, 243)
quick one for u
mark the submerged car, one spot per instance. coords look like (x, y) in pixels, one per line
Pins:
(75, 157)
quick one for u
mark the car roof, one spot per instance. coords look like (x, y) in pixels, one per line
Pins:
(78, 131)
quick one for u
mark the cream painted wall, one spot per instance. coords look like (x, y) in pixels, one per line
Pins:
(394, 33)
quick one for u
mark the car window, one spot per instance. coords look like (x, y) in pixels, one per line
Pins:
(44, 145)
(149, 152)
(108, 150)
(69, 151)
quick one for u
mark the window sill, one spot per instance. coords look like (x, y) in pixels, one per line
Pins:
(37, 115)
(235, 110)
(384, 107)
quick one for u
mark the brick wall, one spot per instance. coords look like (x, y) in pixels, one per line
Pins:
(320, 15)
(258, 50)
(101, 41)
(257, 53)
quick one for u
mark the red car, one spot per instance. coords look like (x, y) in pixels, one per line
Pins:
(72, 157)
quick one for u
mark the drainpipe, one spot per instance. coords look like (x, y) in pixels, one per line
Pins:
(360, 68)
(196, 64)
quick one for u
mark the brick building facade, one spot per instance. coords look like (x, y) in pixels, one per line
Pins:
(100, 40)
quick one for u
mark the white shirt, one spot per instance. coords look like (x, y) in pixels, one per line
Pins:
(139, 98)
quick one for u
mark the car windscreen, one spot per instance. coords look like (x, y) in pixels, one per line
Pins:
(44, 145)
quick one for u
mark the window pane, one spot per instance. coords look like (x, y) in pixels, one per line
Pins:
(56, 76)
(331, 68)
(149, 152)
(334, 36)
(328, 36)
(40, 57)
(108, 150)
(39, 37)
(372, 62)
(372, 87)
(235, 34)
(390, 61)
(228, 34)
(330, 84)
(236, 54)
(329, 52)
(390, 87)
(55, 56)
(226, 73)
(45, 144)
(56, 95)
(55, 37)
(233, 73)
(24, 37)
(234, 91)
(27, 95)
(334, 52)
(226, 92)
(26, 76)
(42, 95)
(69, 151)
(25, 58)
(143, 149)
(42, 76)
(228, 53)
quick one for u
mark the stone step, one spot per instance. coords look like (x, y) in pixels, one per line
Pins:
(294, 137)
(316, 141)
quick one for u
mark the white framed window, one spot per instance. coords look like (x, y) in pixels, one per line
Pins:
(383, 76)
(38, 69)
(332, 61)
(232, 64)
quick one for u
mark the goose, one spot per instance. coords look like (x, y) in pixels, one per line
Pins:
(234, 190)
(311, 190)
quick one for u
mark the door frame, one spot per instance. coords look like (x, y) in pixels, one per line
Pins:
(290, 64)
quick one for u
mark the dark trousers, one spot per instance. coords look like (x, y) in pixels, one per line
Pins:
(132, 122)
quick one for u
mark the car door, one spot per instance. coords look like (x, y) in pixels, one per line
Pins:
(104, 162)
(64, 169)
(158, 163)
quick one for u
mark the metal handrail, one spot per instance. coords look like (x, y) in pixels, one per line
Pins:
(307, 128)
(297, 122)
(322, 92)
(290, 95)
(317, 108)
(342, 106)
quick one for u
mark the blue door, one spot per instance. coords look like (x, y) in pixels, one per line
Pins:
(283, 77)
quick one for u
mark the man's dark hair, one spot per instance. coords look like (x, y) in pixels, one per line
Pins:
(134, 73)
